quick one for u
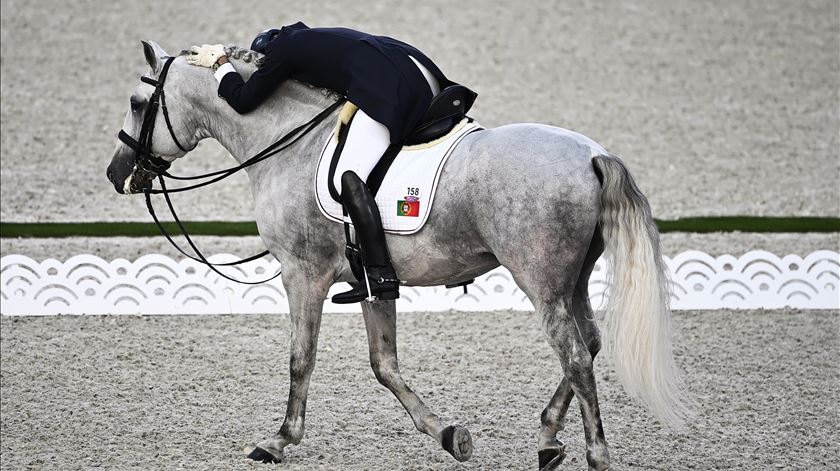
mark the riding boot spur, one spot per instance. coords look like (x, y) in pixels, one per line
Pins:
(381, 281)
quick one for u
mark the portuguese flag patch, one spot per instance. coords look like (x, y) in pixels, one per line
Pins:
(409, 207)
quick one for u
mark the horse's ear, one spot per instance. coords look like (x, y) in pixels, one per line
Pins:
(153, 53)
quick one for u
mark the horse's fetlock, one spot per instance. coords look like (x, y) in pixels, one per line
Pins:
(544, 417)
(552, 420)
(598, 457)
(291, 432)
(422, 426)
(295, 437)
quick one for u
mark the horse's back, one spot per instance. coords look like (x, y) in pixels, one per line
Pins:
(533, 160)
(534, 140)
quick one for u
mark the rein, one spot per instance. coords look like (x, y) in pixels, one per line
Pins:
(156, 165)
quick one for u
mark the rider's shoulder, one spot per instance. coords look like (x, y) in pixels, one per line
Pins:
(294, 28)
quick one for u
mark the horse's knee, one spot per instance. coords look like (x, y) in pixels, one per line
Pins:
(385, 371)
(300, 368)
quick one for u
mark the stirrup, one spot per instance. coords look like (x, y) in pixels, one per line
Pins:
(375, 287)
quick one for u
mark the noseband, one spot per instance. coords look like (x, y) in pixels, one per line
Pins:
(142, 146)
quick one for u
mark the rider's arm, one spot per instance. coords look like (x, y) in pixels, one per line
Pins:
(245, 96)
(224, 68)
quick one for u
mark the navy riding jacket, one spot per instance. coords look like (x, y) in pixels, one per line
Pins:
(374, 72)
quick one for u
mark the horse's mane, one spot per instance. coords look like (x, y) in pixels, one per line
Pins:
(240, 53)
(253, 57)
(246, 55)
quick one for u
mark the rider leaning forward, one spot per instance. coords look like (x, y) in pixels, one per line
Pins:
(392, 84)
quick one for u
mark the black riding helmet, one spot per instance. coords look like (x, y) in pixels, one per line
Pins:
(262, 40)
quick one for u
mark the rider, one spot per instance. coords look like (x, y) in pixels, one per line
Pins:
(391, 83)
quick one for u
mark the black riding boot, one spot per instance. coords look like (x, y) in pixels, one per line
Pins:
(362, 209)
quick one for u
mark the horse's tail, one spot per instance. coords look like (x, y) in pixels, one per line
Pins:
(638, 318)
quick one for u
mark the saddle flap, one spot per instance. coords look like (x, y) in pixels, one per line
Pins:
(447, 109)
(405, 193)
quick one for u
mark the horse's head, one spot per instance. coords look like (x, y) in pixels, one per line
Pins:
(158, 127)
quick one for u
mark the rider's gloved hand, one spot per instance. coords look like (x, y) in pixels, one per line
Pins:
(205, 55)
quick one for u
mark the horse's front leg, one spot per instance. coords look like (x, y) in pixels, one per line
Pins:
(306, 300)
(381, 324)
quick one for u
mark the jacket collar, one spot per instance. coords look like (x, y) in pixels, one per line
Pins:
(295, 26)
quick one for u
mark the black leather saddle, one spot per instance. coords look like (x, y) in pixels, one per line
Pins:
(447, 109)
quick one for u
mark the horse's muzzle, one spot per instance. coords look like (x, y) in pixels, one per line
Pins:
(136, 181)
(126, 175)
(139, 180)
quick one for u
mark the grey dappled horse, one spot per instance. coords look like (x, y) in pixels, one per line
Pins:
(548, 210)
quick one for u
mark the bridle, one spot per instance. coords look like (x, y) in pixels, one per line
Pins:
(146, 160)
(155, 165)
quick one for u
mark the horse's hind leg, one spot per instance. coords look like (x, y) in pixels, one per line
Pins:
(381, 325)
(566, 338)
(552, 451)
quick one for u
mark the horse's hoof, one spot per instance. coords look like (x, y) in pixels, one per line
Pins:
(457, 441)
(263, 456)
(550, 458)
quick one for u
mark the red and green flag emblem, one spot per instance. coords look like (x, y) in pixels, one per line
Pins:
(410, 207)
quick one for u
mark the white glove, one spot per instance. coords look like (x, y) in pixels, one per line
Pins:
(205, 55)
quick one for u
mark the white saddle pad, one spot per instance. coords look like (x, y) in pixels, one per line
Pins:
(406, 195)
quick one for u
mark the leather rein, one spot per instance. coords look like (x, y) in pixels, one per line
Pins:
(153, 165)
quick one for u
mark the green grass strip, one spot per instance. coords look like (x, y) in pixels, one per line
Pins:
(125, 229)
(750, 224)
(238, 229)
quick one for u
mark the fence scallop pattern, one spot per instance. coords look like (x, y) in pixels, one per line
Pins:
(156, 284)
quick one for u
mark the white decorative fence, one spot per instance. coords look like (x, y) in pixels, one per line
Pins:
(156, 284)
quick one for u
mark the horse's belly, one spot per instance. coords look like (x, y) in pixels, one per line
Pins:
(421, 270)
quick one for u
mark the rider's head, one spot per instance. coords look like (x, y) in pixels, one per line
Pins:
(261, 41)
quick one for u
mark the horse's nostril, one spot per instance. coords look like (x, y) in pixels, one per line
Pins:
(110, 175)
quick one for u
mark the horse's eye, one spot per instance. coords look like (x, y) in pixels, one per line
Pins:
(136, 105)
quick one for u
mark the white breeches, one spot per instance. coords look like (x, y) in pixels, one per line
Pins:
(367, 139)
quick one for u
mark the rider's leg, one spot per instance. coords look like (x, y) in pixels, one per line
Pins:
(366, 141)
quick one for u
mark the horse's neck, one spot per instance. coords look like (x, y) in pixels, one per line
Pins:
(246, 135)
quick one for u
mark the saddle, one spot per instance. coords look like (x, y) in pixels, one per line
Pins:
(447, 110)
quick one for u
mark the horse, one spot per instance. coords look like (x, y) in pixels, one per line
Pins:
(551, 201)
